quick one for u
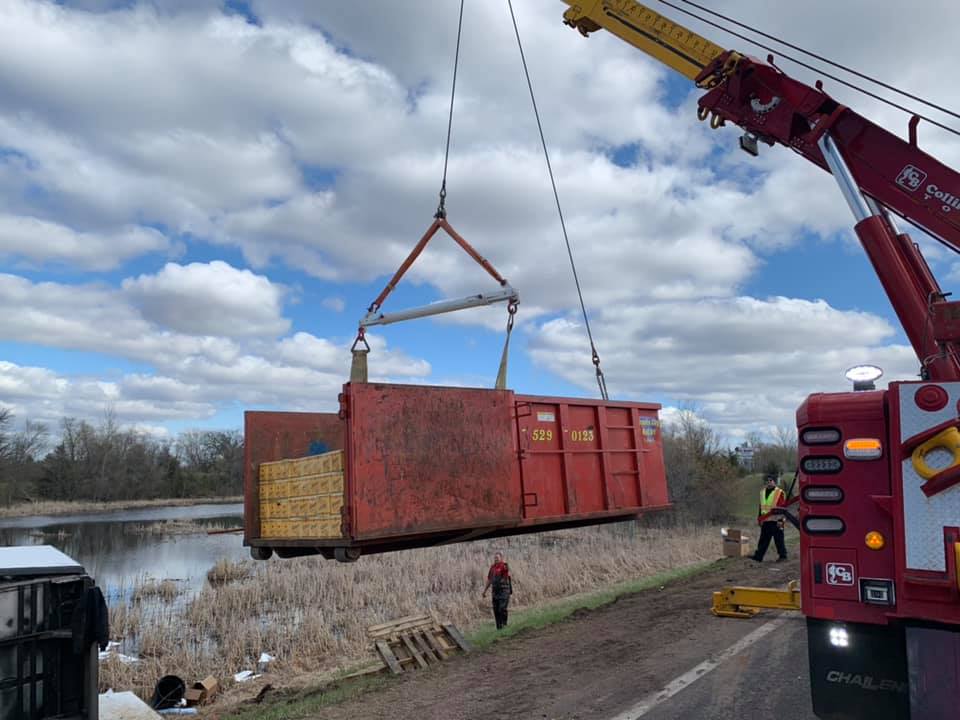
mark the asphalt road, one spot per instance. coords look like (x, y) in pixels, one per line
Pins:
(768, 679)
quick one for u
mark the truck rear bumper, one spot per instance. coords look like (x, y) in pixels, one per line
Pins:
(883, 672)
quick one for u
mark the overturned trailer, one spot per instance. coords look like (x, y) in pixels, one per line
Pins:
(405, 466)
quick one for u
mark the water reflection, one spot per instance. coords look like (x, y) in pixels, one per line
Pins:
(152, 514)
(113, 548)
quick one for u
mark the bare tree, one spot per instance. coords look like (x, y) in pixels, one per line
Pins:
(699, 474)
(19, 470)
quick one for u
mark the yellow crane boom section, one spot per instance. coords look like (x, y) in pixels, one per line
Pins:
(670, 43)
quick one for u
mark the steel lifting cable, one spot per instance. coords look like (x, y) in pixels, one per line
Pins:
(501, 382)
(441, 208)
(360, 348)
(601, 380)
(828, 61)
(813, 68)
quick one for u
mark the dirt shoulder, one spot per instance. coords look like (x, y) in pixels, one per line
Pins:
(591, 665)
(80, 507)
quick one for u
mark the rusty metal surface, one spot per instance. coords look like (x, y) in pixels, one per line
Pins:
(269, 436)
(579, 457)
(428, 459)
(437, 464)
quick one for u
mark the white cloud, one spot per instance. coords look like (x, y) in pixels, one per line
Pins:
(312, 143)
(744, 363)
(92, 318)
(41, 395)
(38, 241)
(209, 299)
(192, 375)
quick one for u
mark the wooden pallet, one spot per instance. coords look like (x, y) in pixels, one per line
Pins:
(416, 641)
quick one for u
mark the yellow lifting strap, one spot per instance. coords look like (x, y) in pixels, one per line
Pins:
(501, 383)
(358, 365)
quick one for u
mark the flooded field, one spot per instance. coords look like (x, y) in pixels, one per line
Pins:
(124, 547)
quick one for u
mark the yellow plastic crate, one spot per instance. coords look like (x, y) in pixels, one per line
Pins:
(302, 467)
(298, 528)
(302, 497)
(300, 487)
(318, 506)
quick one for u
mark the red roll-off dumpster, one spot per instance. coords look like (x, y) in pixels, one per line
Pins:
(420, 465)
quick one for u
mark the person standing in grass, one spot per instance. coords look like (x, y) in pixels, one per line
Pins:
(498, 578)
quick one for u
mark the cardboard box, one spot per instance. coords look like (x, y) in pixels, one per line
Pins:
(735, 543)
(202, 691)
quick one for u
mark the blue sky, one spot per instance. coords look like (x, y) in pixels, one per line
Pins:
(199, 200)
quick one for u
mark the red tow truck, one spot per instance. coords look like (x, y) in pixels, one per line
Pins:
(879, 470)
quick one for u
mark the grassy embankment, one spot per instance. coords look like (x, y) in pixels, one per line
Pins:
(78, 507)
(312, 614)
(305, 702)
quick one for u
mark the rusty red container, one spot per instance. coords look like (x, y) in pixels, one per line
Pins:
(423, 465)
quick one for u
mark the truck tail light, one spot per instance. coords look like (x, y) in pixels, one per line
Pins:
(822, 494)
(821, 465)
(823, 525)
(820, 436)
(862, 449)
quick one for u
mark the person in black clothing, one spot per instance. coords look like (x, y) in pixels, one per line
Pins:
(498, 577)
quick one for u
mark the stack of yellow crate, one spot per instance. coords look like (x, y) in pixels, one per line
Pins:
(302, 497)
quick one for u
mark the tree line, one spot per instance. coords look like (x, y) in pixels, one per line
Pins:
(702, 474)
(106, 462)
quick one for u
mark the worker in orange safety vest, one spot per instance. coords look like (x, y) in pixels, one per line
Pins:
(771, 526)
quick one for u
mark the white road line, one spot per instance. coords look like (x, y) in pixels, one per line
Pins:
(691, 676)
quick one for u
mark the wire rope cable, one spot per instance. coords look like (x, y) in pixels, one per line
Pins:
(441, 208)
(601, 380)
(821, 58)
(801, 63)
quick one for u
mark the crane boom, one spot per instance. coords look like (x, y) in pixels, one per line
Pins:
(883, 617)
(667, 41)
(878, 172)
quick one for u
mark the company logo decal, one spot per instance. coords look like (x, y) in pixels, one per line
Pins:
(949, 200)
(840, 574)
(911, 178)
(866, 682)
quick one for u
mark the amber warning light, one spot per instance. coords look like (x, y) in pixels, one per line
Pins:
(862, 449)
(875, 540)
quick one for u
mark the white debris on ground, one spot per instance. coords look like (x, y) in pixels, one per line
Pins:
(124, 706)
(113, 650)
(245, 675)
(262, 663)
